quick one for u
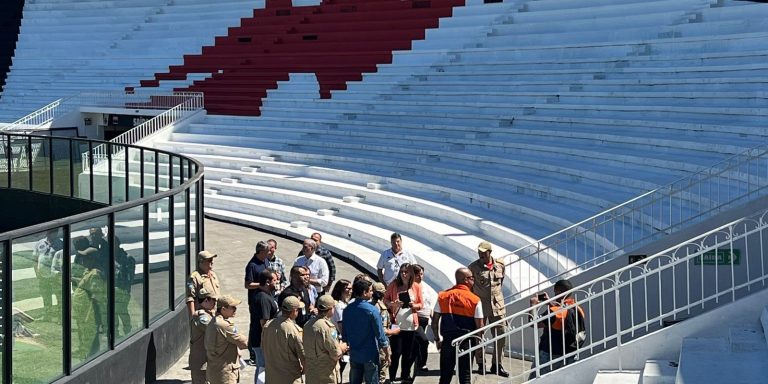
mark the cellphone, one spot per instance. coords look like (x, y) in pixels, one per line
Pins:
(405, 298)
(542, 296)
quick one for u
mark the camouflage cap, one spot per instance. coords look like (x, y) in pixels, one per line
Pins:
(292, 302)
(206, 294)
(325, 302)
(205, 255)
(379, 287)
(228, 301)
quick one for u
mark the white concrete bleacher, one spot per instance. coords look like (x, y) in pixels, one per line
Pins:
(545, 134)
(66, 47)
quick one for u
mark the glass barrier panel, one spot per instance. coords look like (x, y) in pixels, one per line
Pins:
(178, 171)
(81, 174)
(151, 168)
(119, 179)
(180, 246)
(166, 171)
(20, 156)
(101, 168)
(37, 319)
(41, 164)
(159, 252)
(3, 300)
(62, 171)
(129, 272)
(193, 216)
(134, 173)
(5, 165)
(89, 273)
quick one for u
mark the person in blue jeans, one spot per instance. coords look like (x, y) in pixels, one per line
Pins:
(366, 338)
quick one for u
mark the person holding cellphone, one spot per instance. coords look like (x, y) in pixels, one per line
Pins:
(403, 299)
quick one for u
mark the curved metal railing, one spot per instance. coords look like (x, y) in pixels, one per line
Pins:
(75, 287)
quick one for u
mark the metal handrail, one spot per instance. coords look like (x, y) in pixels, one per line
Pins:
(640, 220)
(159, 195)
(693, 277)
(189, 103)
(39, 119)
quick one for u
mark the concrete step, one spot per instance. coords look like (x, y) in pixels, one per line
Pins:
(617, 377)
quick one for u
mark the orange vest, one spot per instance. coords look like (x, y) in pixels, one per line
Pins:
(560, 313)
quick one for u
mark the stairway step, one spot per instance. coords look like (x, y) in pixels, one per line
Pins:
(659, 372)
(617, 377)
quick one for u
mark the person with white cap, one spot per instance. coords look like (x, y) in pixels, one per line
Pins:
(282, 343)
(202, 277)
(197, 354)
(489, 278)
(223, 342)
(322, 346)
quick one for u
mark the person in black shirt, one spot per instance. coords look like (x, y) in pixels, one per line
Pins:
(301, 288)
(262, 310)
(255, 266)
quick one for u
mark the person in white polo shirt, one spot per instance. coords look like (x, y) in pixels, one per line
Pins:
(390, 260)
(318, 268)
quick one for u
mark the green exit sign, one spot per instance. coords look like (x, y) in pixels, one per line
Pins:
(719, 257)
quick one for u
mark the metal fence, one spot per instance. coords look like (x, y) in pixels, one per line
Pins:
(188, 104)
(138, 99)
(639, 221)
(706, 272)
(77, 287)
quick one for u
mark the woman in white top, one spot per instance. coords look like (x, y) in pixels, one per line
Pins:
(342, 293)
(421, 339)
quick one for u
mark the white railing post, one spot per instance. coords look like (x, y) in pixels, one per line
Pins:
(641, 220)
(683, 261)
(191, 102)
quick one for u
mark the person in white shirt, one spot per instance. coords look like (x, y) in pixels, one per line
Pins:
(421, 339)
(318, 268)
(390, 260)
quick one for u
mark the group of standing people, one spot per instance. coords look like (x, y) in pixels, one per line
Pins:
(306, 325)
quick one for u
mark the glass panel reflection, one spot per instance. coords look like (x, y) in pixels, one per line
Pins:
(20, 156)
(37, 318)
(159, 274)
(3, 266)
(101, 178)
(41, 166)
(89, 275)
(5, 165)
(134, 173)
(62, 178)
(129, 272)
(180, 246)
(81, 174)
(119, 179)
(150, 172)
(193, 225)
(166, 171)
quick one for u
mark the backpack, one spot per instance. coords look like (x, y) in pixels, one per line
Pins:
(575, 329)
